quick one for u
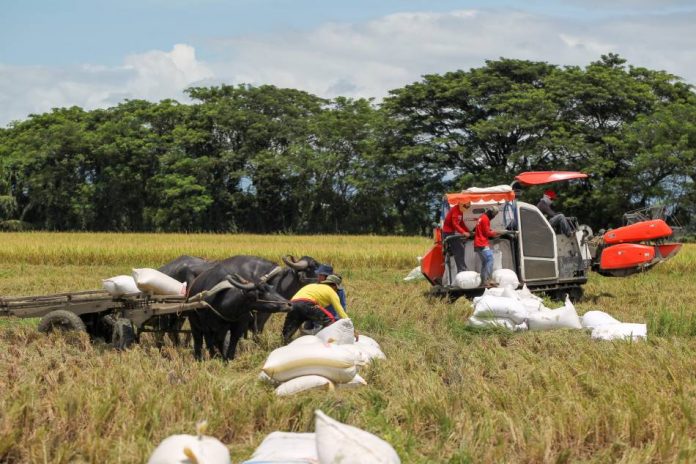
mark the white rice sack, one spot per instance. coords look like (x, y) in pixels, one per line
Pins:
(357, 382)
(120, 285)
(532, 305)
(525, 294)
(190, 448)
(326, 360)
(506, 278)
(415, 274)
(341, 332)
(593, 319)
(365, 340)
(286, 448)
(364, 353)
(620, 331)
(510, 293)
(494, 291)
(341, 443)
(157, 283)
(305, 340)
(491, 322)
(491, 307)
(467, 279)
(561, 318)
(304, 383)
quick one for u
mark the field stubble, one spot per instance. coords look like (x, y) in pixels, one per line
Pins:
(446, 393)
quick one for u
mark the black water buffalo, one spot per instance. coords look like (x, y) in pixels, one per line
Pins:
(231, 308)
(184, 269)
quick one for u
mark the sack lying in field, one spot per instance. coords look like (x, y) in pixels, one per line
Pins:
(341, 332)
(415, 274)
(622, 330)
(304, 383)
(341, 443)
(326, 360)
(286, 448)
(355, 383)
(593, 319)
(506, 278)
(156, 283)
(189, 448)
(497, 322)
(120, 285)
(493, 307)
(364, 353)
(562, 318)
(467, 279)
(305, 340)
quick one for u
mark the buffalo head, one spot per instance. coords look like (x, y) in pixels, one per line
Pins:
(260, 295)
(305, 267)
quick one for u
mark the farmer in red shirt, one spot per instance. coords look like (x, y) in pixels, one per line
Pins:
(454, 226)
(481, 235)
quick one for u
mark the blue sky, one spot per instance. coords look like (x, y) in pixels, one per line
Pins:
(96, 53)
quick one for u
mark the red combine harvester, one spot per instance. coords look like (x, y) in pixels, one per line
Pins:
(543, 259)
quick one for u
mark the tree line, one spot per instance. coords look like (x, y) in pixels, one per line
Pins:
(265, 159)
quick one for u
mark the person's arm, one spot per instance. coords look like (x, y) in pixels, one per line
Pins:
(546, 209)
(336, 303)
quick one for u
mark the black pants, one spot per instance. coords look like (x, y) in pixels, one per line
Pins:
(303, 311)
(456, 249)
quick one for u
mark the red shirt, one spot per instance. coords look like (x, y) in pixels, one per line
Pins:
(483, 231)
(454, 222)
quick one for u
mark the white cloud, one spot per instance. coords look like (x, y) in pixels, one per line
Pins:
(360, 59)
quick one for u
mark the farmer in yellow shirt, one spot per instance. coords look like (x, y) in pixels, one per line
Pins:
(317, 303)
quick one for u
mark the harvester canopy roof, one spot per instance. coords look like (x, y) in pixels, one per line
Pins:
(546, 177)
(498, 194)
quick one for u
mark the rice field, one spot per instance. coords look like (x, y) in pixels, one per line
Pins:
(445, 393)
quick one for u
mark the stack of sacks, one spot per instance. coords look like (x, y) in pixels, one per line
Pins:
(326, 360)
(155, 282)
(332, 443)
(190, 448)
(521, 310)
(605, 327)
(506, 278)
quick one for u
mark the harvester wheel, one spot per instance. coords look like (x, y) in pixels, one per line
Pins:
(123, 335)
(62, 320)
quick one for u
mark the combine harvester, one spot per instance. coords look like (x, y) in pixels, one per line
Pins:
(544, 260)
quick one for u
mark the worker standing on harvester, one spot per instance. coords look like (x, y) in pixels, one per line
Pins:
(454, 226)
(481, 235)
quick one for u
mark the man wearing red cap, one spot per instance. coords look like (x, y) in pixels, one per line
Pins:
(557, 220)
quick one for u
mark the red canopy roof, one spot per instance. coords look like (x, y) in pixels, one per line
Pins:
(454, 198)
(545, 177)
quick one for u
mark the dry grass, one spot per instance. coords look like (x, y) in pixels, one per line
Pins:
(446, 393)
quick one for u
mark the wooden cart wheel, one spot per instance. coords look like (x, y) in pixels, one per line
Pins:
(62, 320)
(123, 335)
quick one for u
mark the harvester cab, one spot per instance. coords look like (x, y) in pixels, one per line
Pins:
(542, 257)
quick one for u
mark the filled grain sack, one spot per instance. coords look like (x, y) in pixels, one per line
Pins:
(286, 448)
(562, 318)
(467, 279)
(305, 340)
(155, 282)
(304, 383)
(341, 332)
(506, 278)
(178, 449)
(364, 353)
(593, 319)
(620, 331)
(326, 360)
(341, 443)
(357, 382)
(492, 307)
(494, 291)
(120, 285)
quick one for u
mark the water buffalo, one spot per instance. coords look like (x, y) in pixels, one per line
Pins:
(184, 269)
(231, 308)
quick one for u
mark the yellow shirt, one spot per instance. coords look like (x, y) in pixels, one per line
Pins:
(323, 295)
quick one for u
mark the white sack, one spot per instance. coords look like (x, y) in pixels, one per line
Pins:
(286, 448)
(157, 283)
(120, 285)
(490, 307)
(491, 322)
(593, 319)
(304, 383)
(355, 383)
(467, 279)
(179, 449)
(622, 330)
(506, 278)
(364, 352)
(365, 340)
(340, 332)
(305, 340)
(344, 444)
(415, 274)
(494, 291)
(326, 360)
(525, 294)
(561, 318)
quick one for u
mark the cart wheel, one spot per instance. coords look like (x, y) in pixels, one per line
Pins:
(123, 335)
(62, 320)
